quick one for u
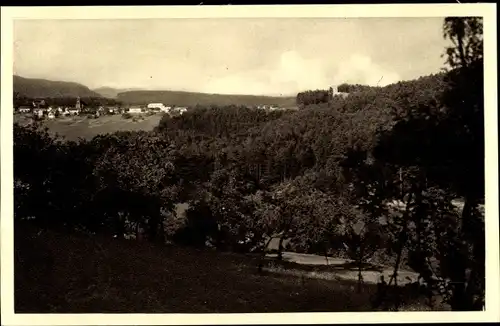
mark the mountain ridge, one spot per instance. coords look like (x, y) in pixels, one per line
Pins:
(186, 98)
(45, 88)
(42, 88)
(111, 92)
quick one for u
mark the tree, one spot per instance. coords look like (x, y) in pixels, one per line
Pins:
(361, 240)
(139, 167)
(441, 147)
(466, 35)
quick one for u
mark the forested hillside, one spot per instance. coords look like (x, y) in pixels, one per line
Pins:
(191, 99)
(372, 176)
(42, 88)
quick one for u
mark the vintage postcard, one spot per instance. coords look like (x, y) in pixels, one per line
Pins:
(249, 164)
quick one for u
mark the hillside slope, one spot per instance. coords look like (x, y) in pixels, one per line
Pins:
(43, 88)
(55, 273)
(190, 98)
(111, 92)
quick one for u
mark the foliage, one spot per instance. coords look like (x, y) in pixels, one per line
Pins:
(65, 101)
(466, 35)
(313, 97)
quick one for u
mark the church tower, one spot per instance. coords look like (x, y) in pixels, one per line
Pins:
(77, 106)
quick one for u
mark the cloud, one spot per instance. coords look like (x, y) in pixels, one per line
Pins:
(293, 73)
(360, 69)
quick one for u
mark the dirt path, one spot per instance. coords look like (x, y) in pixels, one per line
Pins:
(338, 271)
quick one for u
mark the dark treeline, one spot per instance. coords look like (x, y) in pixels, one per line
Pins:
(317, 96)
(350, 88)
(371, 175)
(95, 102)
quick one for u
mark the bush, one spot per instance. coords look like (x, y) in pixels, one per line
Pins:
(126, 115)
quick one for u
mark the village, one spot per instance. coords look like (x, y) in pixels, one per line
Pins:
(39, 109)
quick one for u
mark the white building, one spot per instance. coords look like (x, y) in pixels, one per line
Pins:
(158, 106)
(181, 109)
(135, 110)
(24, 109)
(335, 92)
(73, 111)
(38, 112)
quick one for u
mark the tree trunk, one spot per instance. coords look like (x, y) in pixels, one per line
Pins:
(266, 245)
(461, 299)
(360, 275)
(161, 231)
(401, 242)
(401, 181)
(280, 247)
(460, 36)
(137, 233)
(396, 268)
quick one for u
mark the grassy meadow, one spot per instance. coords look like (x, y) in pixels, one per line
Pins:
(54, 273)
(74, 127)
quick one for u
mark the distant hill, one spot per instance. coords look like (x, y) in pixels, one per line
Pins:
(113, 92)
(190, 99)
(38, 88)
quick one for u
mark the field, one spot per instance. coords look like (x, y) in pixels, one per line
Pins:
(60, 273)
(72, 128)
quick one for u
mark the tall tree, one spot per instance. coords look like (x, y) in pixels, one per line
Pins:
(466, 35)
(441, 145)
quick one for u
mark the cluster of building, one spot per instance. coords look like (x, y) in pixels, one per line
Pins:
(166, 109)
(269, 107)
(40, 110)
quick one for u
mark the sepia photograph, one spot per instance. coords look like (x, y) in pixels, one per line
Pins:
(247, 165)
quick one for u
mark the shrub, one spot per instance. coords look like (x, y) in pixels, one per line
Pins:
(126, 115)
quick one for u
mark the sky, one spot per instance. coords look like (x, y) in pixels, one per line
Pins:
(261, 56)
